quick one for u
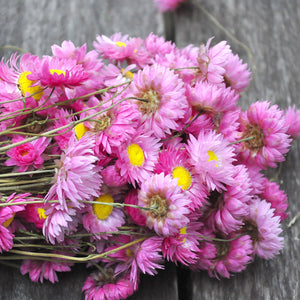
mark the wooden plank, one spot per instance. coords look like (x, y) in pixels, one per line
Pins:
(35, 25)
(270, 29)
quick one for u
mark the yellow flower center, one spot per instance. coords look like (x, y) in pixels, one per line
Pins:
(57, 71)
(183, 231)
(184, 177)
(41, 213)
(80, 129)
(103, 211)
(127, 74)
(129, 253)
(212, 156)
(25, 86)
(120, 44)
(8, 221)
(135, 154)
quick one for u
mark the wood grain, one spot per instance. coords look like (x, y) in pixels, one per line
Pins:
(270, 29)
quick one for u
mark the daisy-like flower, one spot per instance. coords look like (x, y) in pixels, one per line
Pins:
(173, 161)
(59, 72)
(168, 205)
(211, 61)
(16, 74)
(39, 270)
(264, 229)
(114, 126)
(292, 122)
(158, 46)
(278, 199)
(183, 247)
(142, 257)
(264, 126)
(121, 48)
(137, 157)
(237, 75)
(28, 155)
(165, 103)
(231, 256)
(167, 5)
(59, 222)
(101, 218)
(228, 208)
(7, 215)
(111, 285)
(77, 177)
(210, 98)
(212, 159)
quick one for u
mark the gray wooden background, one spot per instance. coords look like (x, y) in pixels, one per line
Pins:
(271, 31)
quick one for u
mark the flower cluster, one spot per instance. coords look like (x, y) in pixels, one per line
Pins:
(136, 153)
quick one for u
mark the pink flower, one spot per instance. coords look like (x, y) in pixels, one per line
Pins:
(157, 45)
(231, 256)
(142, 257)
(278, 199)
(265, 124)
(59, 223)
(112, 285)
(137, 157)
(101, 218)
(174, 161)
(212, 159)
(237, 74)
(165, 95)
(228, 208)
(39, 270)
(135, 213)
(28, 155)
(7, 215)
(77, 177)
(183, 247)
(59, 72)
(167, 202)
(264, 229)
(165, 5)
(292, 122)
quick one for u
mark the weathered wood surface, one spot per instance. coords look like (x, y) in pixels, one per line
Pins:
(269, 28)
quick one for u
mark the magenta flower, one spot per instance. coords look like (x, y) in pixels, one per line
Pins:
(28, 155)
(167, 5)
(39, 270)
(266, 126)
(59, 72)
(168, 204)
(135, 213)
(231, 256)
(112, 285)
(292, 123)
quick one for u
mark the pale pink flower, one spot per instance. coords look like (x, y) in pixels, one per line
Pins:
(137, 157)
(169, 206)
(76, 177)
(292, 116)
(212, 159)
(237, 75)
(165, 95)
